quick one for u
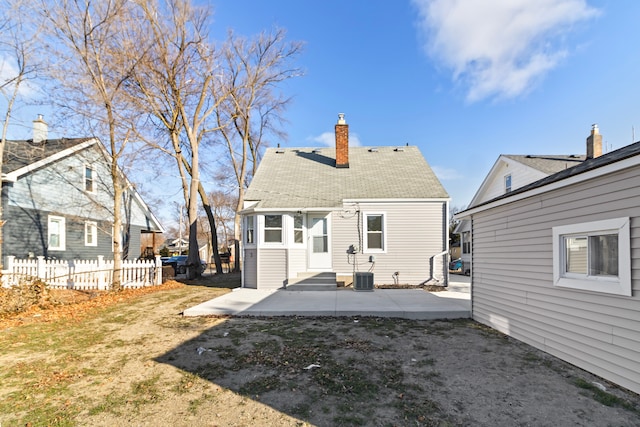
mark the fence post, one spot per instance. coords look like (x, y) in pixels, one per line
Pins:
(9, 266)
(40, 270)
(158, 270)
(8, 270)
(101, 274)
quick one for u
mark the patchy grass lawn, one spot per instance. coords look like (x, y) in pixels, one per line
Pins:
(132, 359)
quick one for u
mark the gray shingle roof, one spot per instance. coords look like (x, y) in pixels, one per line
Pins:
(20, 153)
(585, 166)
(549, 164)
(308, 178)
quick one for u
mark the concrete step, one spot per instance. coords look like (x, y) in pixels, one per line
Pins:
(322, 281)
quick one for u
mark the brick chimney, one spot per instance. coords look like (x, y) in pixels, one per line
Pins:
(594, 143)
(40, 129)
(342, 142)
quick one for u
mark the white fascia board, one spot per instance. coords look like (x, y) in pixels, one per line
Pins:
(13, 176)
(304, 210)
(439, 199)
(485, 181)
(585, 176)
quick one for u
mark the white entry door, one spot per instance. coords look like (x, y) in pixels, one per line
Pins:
(319, 242)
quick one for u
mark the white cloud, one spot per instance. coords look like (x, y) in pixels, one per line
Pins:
(329, 139)
(499, 48)
(8, 72)
(446, 174)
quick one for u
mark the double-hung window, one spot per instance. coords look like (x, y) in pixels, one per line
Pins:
(249, 223)
(375, 232)
(298, 231)
(593, 256)
(56, 233)
(466, 242)
(273, 228)
(90, 233)
(88, 179)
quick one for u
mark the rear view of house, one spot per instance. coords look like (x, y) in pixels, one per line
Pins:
(556, 263)
(314, 216)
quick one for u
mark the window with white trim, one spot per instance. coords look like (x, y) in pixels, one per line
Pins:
(507, 183)
(593, 256)
(298, 231)
(466, 242)
(88, 179)
(249, 223)
(56, 233)
(273, 228)
(90, 233)
(374, 237)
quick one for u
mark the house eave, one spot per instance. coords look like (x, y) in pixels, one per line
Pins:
(254, 210)
(8, 177)
(399, 200)
(16, 174)
(585, 176)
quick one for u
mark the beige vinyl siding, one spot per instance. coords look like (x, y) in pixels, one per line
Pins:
(272, 268)
(413, 234)
(250, 268)
(513, 287)
(297, 261)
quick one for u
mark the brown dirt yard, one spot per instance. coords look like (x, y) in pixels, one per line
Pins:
(133, 360)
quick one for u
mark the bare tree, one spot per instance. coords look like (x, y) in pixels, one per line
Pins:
(253, 70)
(174, 87)
(18, 64)
(87, 39)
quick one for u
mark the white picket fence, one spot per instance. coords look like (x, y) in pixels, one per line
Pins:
(81, 274)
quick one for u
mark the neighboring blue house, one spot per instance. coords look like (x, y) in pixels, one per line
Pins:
(315, 216)
(57, 200)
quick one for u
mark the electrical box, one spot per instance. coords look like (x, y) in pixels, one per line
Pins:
(363, 281)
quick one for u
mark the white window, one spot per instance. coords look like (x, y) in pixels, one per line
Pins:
(593, 256)
(56, 233)
(273, 228)
(88, 179)
(374, 237)
(249, 229)
(466, 242)
(90, 233)
(507, 183)
(298, 231)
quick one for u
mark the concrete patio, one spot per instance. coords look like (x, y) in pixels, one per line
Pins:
(401, 303)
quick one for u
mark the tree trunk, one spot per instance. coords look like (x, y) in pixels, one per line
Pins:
(212, 225)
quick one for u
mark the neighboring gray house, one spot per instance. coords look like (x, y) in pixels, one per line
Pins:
(509, 173)
(57, 200)
(344, 210)
(556, 263)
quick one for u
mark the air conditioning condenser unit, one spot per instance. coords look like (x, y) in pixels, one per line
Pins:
(363, 281)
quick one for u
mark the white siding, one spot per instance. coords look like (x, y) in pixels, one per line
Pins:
(297, 262)
(513, 278)
(250, 268)
(521, 175)
(415, 232)
(272, 268)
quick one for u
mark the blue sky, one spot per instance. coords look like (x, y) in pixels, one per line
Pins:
(463, 80)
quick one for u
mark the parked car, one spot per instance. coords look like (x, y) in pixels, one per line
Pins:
(455, 265)
(179, 263)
